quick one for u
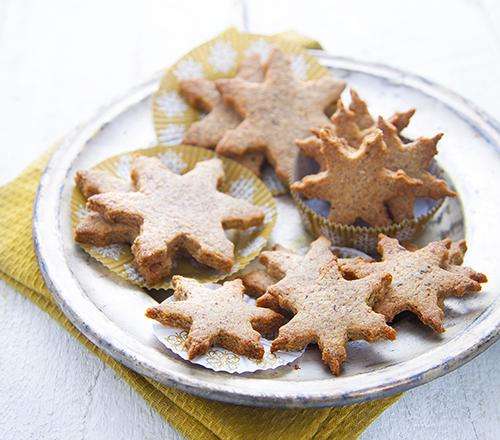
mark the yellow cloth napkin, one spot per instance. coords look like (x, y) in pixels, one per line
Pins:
(194, 417)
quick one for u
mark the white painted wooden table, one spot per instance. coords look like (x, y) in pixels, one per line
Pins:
(61, 59)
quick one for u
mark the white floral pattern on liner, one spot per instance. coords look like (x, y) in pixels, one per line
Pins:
(132, 274)
(270, 179)
(173, 161)
(243, 188)
(171, 104)
(220, 359)
(299, 67)
(268, 211)
(82, 212)
(172, 134)
(222, 56)
(124, 166)
(260, 47)
(113, 251)
(188, 69)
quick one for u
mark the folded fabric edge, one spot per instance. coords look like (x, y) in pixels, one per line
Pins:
(186, 424)
(336, 422)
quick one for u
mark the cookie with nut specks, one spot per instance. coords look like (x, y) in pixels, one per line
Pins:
(421, 279)
(455, 260)
(352, 124)
(276, 112)
(177, 213)
(415, 159)
(330, 311)
(280, 262)
(256, 282)
(94, 229)
(218, 316)
(203, 95)
(356, 183)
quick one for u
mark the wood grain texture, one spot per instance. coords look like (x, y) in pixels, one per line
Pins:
(62, 60)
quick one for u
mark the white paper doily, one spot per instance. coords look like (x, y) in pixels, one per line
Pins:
(220, 359)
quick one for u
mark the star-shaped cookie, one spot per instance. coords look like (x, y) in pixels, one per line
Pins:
(202, 94)
(415, 159)
(256, 283)
(352, 124)
(456, 259)
(281, 261)
(94, 229)
(421, 279)
(217, 316)
(356, 183)
(330, 311)
(177, 214)
(276, 112)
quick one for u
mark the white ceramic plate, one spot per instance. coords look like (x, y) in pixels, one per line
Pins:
(110, 312)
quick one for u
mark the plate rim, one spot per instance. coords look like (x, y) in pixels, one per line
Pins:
(485, 331)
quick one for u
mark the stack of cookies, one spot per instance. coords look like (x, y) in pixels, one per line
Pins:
(368, 173)
(260, 113)
(163, 215)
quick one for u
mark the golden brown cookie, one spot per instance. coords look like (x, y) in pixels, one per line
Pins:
(352, 124)
(421, 279)
(281, 262)
(356, 183)
(202, 94)
(276, 112)
(216, 316)
(177, 214)
(415, 159)
(455, 260)
(362, 117)
(330, 311)
(94, 229)
(91, 182)
(257, 282)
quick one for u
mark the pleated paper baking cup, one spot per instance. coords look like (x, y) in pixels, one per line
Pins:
(239, 182)
(220, 58)
(314, 214)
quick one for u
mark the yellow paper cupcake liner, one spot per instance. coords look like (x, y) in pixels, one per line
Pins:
(363, 238)
(239, 182)
(220, 58)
